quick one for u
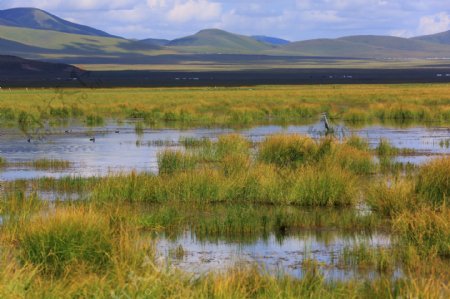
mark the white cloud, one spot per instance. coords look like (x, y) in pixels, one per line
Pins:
(157, 3)
(194, 10)
(434, 24)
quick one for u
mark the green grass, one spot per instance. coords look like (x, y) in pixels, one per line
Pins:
(392, 197)
(287, 151)
(433, 181)
(364, 258)
(170, 162)
(69, 238)
(427, 231)
(193, 107)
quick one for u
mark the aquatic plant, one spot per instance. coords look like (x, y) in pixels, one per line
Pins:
(363, 257)
(391, 197)
(287, 150)
(426, 230)
(43, 164)
(313, 186)
(433, 181)
(94, 120)
(139, 128)
(170, 161)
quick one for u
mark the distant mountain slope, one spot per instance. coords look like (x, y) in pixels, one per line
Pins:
(215, 40)
(31, 43)
(275, 41)
(38, 19)
(440, 38)
(155, 42)
(368, 47)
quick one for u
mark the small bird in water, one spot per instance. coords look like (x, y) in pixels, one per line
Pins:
(117, 131)
(92, 139)
(29, 140)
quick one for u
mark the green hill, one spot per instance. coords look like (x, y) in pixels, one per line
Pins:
(218, 41)
(33, 18)
(368, 47)
(155, 42)
(440, 38)
(33, 43)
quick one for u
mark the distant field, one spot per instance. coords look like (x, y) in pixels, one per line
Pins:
(312, 63)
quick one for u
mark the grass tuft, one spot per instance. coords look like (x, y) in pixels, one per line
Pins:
(70, 237)
(433, 181)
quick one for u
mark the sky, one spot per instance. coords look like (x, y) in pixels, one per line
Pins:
(290, 19)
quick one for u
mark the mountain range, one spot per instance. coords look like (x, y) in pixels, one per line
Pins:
(34, 33)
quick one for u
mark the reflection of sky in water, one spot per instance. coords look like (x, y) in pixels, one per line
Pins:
(119, 153)
(271, 254)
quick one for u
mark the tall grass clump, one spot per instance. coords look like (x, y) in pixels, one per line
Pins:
(19, 205)
(287, 150)
(232, 144)
(358, 143)
(353, 159)
(385, 149)
(170, 161)
(329, 187)
(391, 198)
(433, 181)
(67, 240)
(2, 162)
(426, 230)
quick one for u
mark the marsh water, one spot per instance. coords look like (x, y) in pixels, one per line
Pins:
(117, 148)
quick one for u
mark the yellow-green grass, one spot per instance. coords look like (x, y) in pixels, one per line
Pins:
(433, 182)
(43, 164)
(69, 237)
(426, 230)
(213, 106)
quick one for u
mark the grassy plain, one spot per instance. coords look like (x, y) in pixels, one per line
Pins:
(231, 189)
(231, 106)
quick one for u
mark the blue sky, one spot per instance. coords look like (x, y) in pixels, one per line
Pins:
(290, 19)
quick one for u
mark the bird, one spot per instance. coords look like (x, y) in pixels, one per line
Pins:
(117, 131)
(92, 139)
(325, 120)
(29, 140)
